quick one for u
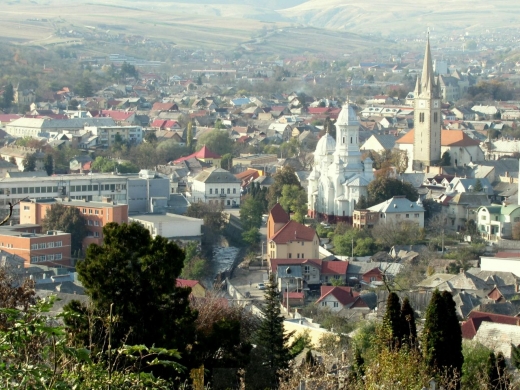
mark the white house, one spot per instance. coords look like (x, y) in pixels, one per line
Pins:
(215, 186)
(398, 210)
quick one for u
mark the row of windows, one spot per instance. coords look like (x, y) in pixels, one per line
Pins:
(222, 191)
(89, 222)
(96, 187)
(324, 303)
(297, 256)
(45, 245)
(38, 259)
(92, 211)
(93, 234)
(435, 117)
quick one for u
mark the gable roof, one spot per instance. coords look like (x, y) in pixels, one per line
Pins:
(343, 295)
(334, 267)
(279, 214)
(216, 175)
(117, 115)
(203, 153)
(164, 106)
(186, 283)
(448, 138)
(294, 231)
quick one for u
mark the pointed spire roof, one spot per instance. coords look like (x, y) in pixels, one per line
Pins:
(427, 77)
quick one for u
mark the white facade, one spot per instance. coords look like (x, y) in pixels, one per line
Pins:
(215, 186)
(339, 176)
(171, 226)
(500, 264)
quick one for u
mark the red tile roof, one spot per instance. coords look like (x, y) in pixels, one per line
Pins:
(293, 295)
(318, 110)
(448, 138)
(334, 267)
(343, 295)
(470, 327)
(164, 107)
(186, 283)
(202, 154)
(507, 254)
(117, 115)
(279, 215)
(9, 117)
(158, 123)
(294, 231)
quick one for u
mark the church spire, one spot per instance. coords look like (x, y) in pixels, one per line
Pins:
(427, 77)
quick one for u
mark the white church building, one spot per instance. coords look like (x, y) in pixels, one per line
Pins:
(339, 176)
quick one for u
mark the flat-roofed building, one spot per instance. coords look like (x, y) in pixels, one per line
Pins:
(51, 248)
(171, 226)
(96, 214)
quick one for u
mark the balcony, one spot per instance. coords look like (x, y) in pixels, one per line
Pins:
(222, 195)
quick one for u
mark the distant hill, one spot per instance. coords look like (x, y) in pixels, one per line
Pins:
(405, 16)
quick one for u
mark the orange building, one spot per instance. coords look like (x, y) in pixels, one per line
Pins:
(96, 214)
(51, 248)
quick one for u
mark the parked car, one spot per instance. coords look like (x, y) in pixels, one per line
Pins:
(260, 286)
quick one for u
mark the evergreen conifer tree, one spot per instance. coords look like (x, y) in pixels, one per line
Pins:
(392, 318)
(453, 358)
(515, 356)
(409, 329)
(270, 339)
(442, 337)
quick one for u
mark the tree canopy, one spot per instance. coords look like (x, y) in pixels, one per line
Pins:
(67, 219)
(217, 141)
(285, 176)
(383, 188)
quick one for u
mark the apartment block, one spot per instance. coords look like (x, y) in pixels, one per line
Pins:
(51, 248)
(96, 214)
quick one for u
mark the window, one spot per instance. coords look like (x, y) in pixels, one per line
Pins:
(416, 215)
(33, 246)
(297, 255)
(26, 208)
(42, 258)
(90, 222)
(42, 245)
(323, 303)
(59, 244)
(50, 245)
(234, 190)
(50, 257)
(290, 255)
(222, 190)
(373, 279)
(96, 234)
(228, 203)
(336, 304)
(89, 188)
(306, 269)
(34, 259)
(210, 191)
(96, 212)
(435, 117)
(421, 117)
(398, 215)
(407, 215)
(483, 217)
(96, 223)
(95, 187)
(228, 191)
(216, 191)
(84, 211)
(58, 256)
(90, 211)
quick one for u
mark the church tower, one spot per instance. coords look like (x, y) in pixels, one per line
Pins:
(427, 117)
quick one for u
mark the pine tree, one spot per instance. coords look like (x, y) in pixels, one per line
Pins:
(49, 164)
(409, 329)
(442, 337)
(392, 318)
(270, 340)
(478, 186)
(515, 356)
(452, 336)
(189, 137)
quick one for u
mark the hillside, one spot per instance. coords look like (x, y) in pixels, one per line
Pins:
(405, 16)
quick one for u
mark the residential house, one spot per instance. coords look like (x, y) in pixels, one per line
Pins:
(463, 207)
(288, 239)
(393, 211)
(215, 186)
(19, 154)
(379, 143)
(205, 155)
(476, 318)
(344, 300)
(108, 135)
(496, 222)
(498, 337)
(282, 129)
(197, 289)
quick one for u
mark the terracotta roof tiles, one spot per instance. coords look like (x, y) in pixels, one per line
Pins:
(344, 295)
(448, 138)
(294, 231)
(279, 215)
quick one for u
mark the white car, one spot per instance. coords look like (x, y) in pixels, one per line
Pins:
(260, 286)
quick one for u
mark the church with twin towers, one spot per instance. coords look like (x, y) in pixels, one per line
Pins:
(340, 176)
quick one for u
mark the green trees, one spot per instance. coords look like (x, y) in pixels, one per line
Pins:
(67, 219)
(272, 343)
(294, 200)
(383, 188)
(478, 186)
(285, 176)
(408, 327)
(226, 162)
(445, 159)
(103, 164)
(392, 318)
(48, 164)
(442, 337)
(7, 96)
(84, 88)
(150, 137)
(251, 211)
(189, 136)
(217, 141)
(135, 275)
(29, 162)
